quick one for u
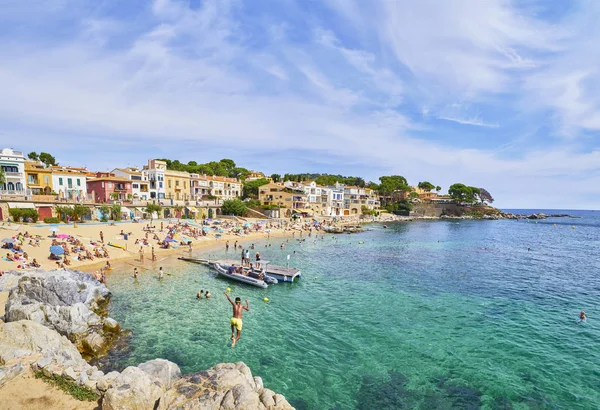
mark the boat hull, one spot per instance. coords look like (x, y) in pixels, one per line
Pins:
(221, 271)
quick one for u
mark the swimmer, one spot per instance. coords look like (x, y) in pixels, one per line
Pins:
(236, 320)
(200, 294)
(160, 273)
(207, 294)
(582, 316)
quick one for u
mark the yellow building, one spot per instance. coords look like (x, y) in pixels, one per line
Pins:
(38, 178)
(177, 185)
(283, 197)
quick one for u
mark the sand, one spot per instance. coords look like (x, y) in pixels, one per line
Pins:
(27, 392)
(111, 234)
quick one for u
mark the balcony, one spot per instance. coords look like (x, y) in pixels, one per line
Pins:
(120, 188)
(13, 174)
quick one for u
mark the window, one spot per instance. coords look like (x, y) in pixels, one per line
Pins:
(109, 184)
(47, 180)
(176, 183)
(70, 182)
(135, 186)
(169, 182)
(184, 184)
(160, 185)
(60, 181)
(78, 182)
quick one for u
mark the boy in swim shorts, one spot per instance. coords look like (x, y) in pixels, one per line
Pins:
(236, 320)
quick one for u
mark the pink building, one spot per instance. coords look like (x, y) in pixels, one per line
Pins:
(107, 187)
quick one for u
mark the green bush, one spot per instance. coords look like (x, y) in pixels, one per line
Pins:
(51, 220)
(68, 386)
(19, 214)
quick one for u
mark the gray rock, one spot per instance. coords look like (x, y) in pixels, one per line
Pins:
(111, 325)
(27, 338)
(225, 386)
(133, 389)
(82, 379)
(70, 373)
(164, 371)
(8, 373)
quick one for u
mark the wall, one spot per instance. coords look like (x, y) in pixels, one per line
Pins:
(435, 210)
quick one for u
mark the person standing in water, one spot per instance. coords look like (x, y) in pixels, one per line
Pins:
(135, 273)
(582, 316)
(236, 320)
(160, 273)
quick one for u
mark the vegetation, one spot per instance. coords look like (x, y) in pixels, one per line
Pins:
(115, 212)
(401, 207)
(43, 157)
(52, 220)
(68, 386)
(462, 193)
(485, 196)
(426, 186)
(251, 187)
(26, 215)
(152, 208)
(367, 211)
(2, 177)
(276, 177)
(104, 212)
(211, 213)
(224, 168)
(325, 179)
(234, 207)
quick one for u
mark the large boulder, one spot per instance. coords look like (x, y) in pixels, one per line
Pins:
(224, 386)
(22, 339)
(164, 371)
(133, 389)
(69, 302)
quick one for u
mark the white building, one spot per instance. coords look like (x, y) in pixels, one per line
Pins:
(70, 183)
(155, 171)
(335, 198)
(140, 186)
(224, 187)
(199, 187)
(13, 166)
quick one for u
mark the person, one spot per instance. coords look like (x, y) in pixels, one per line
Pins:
(236, 320)
(35, 263)
(160, 273)
(582, 316)
(227, 246)
(153, 255)
(207, 294)
(101, 237)
(257, 259)
(135, 273)
(141, 252)
(200, 294)
(231, 270)
(107, 266)
(243, 257)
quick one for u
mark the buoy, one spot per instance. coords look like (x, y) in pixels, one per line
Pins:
(573, 227)
(555, 225)
(316, 278)
(196, 281)
(228, 290)
(536, 222)
(266, 300)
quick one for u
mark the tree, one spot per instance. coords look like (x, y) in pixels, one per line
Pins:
(251, 187)
(104, 212)
(463, 194)
(485, 196)
(276, 177)
(234, 207)
(414, 195)
(33, 156)
(47, 159)
(438, 188)
(115, 212)
(426, 186)
(391, 184)
(153, 208)
(79, 212)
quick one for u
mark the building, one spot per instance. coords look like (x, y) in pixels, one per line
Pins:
(283, 197)
(199, 187)
(335, 200)
(155, 173)
(140, 187)
(107, 187)
(70, 183)
(255, 175)
(12, 164)
(224, 187)
(177, 185)
(39, 178)
(425, 196)
(355, 198)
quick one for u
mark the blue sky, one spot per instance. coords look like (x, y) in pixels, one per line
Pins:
(496, 94)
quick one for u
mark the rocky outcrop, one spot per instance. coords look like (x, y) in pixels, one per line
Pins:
(70, 302)
(225, 386)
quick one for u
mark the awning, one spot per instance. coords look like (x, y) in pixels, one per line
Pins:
(191, 209)
(141, 210)
(21, 205)
(124, 210)
(44, 205)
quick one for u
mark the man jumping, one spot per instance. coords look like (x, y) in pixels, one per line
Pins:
(236, 320)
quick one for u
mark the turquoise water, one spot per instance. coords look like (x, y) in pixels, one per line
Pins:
(422, 315)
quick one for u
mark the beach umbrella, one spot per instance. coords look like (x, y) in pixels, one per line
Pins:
(62, 235)
(54, 229)
(57, 250)
(8, 240)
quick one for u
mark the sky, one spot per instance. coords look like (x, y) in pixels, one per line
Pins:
(497, 94)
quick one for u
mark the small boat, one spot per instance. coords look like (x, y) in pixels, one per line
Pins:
(267, 278)
(240, 278)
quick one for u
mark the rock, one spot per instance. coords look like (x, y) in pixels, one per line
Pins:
(82, 379)
(8, 373)
(67, 301)
(27, 338)
(111, 325)
(164, 371)
(133, 389)
(225, 386)
(70, 373)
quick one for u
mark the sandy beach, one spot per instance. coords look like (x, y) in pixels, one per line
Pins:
(127, 250)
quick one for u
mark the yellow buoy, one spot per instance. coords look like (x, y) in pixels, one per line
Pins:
(573, 227)
(555, 225)
(228, 290)
(266, 300)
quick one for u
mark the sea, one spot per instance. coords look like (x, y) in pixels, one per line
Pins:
(450, 314)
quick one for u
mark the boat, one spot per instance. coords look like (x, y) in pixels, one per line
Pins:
(267, 278)
(240, 278)
(281, 273)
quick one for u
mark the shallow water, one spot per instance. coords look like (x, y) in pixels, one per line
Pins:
(422, 315)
